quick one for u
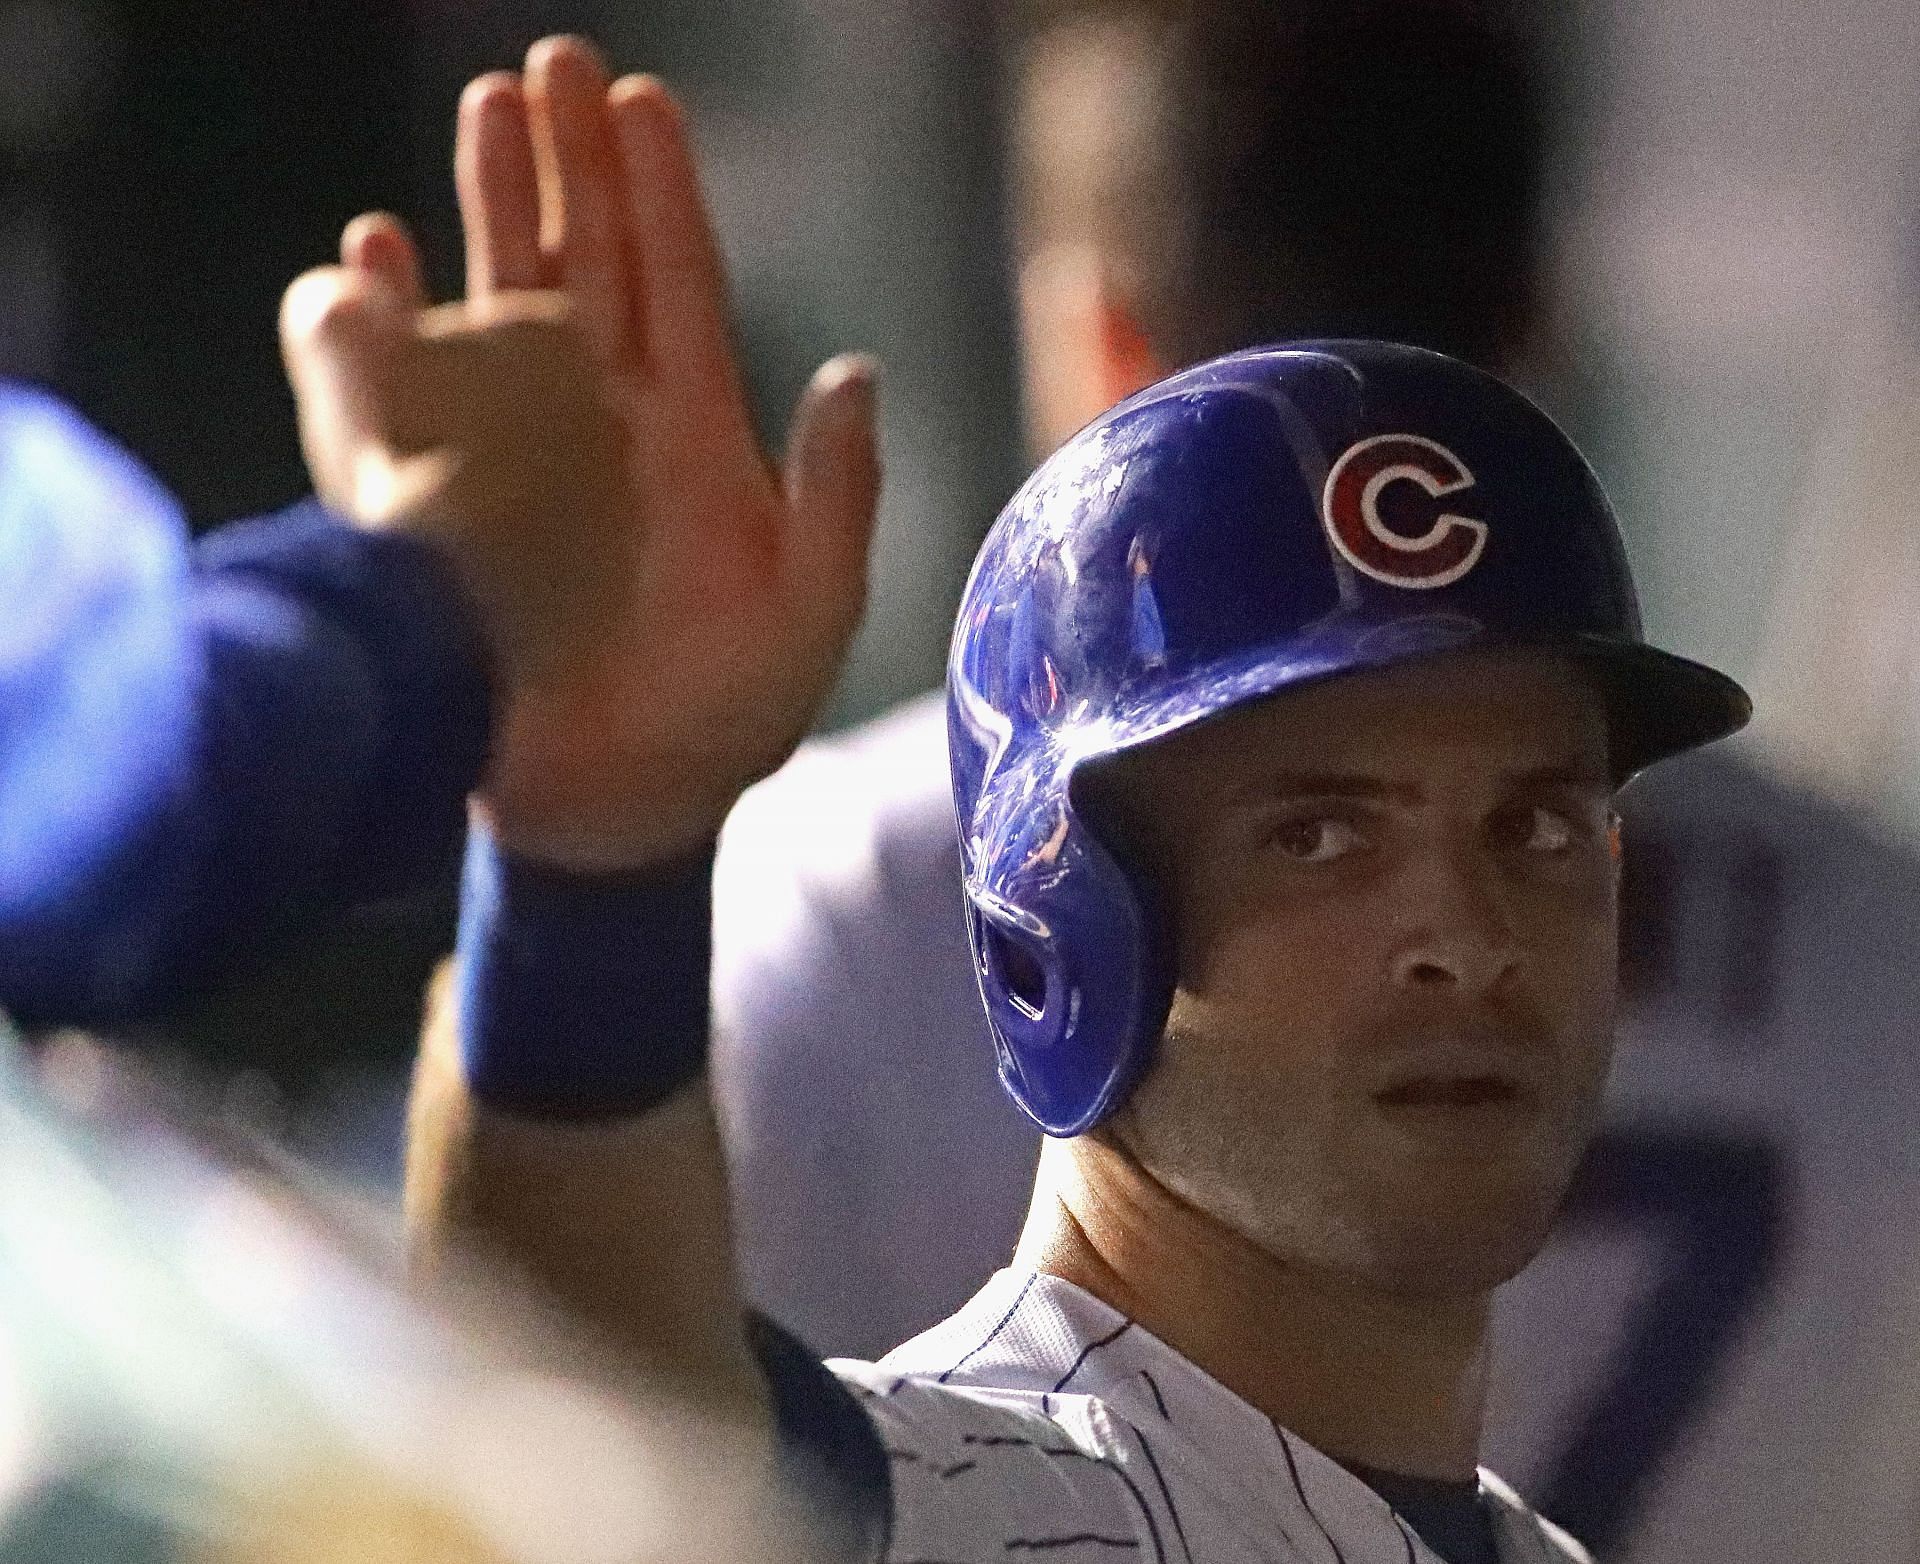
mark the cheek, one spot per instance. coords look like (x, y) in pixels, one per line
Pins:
(1273, 972)
(1577, 935)
(1574, 977)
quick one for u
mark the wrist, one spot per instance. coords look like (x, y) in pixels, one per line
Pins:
(618, 812)
(582, 995)
(591, 849)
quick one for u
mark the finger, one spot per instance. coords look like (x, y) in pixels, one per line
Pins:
(493, 172)
(566, 89)
(343, 331)
(378, 243)
(682, 290)
(833, 482)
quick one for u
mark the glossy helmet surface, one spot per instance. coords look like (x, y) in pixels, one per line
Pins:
(1271, 517)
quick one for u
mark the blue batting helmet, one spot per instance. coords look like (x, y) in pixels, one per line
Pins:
(1272, 517)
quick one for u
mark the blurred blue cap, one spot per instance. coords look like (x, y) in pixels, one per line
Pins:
(96, 673)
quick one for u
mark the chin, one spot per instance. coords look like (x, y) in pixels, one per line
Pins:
(1455, 1241)
(1453, 1218)
(1453, 1262)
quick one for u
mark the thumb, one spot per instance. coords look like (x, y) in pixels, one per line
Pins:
(833, 478)
(343, 336)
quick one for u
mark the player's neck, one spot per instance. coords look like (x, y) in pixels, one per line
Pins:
(1370, 1378)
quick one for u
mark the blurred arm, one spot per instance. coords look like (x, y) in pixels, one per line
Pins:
(560, 1120)
(621, 1221)
(202, 747)
(603, 1185)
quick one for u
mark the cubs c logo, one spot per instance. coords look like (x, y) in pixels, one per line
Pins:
(1350, 510)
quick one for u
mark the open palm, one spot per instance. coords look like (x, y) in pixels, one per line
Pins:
(736, 586)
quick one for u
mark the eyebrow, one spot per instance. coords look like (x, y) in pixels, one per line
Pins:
(1310, 784)
(1279, 786)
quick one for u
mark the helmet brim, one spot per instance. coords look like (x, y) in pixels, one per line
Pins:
(1657, 704)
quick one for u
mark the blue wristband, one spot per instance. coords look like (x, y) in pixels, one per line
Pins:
(582, 996)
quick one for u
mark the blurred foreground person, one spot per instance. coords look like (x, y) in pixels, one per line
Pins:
(201, 1356)
(207, 1358)
(201, 747)
(1288, 703)
(205, 746)
(1715, 1361)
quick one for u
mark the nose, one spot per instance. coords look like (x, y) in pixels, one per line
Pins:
(1455, 929)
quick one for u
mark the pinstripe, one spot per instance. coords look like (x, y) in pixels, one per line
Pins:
(987, 1340)
(1088, 1351)
(1133, 1489)
(1070, 1453)
(886, 1523)
(1293, 1471)
(1166, 1494)
(1158, 1400)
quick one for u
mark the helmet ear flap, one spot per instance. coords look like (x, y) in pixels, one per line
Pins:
(1076, 988)
(1015, 970)
(1028, 1003)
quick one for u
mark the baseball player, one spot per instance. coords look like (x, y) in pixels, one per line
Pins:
(1187, 179)
(1288, 703)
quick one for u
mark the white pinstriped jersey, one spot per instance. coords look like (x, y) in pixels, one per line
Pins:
(1038, 1421)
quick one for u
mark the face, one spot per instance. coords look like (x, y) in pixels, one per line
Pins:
(1394, 897)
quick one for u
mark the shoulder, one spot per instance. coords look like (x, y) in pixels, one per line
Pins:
(93, 551)
(897, 758)
(848, 848)
(848, 803)
(98, 669)
(982, 1473)
(59, 466)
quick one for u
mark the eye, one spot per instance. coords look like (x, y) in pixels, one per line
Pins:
(1536, 828)
(1317, 839)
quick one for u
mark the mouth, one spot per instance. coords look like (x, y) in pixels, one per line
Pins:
(1459, 1080)
(1452, 1091)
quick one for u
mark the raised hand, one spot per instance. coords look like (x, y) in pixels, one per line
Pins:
(669, 609)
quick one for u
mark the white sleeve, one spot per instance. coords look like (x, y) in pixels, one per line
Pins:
(867, 1134)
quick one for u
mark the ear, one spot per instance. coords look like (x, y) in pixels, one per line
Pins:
(1082, 346)
(1127, 360)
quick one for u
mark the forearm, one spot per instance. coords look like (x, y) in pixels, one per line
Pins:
(353, 708)
(620, 1227)
(560, 1122)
